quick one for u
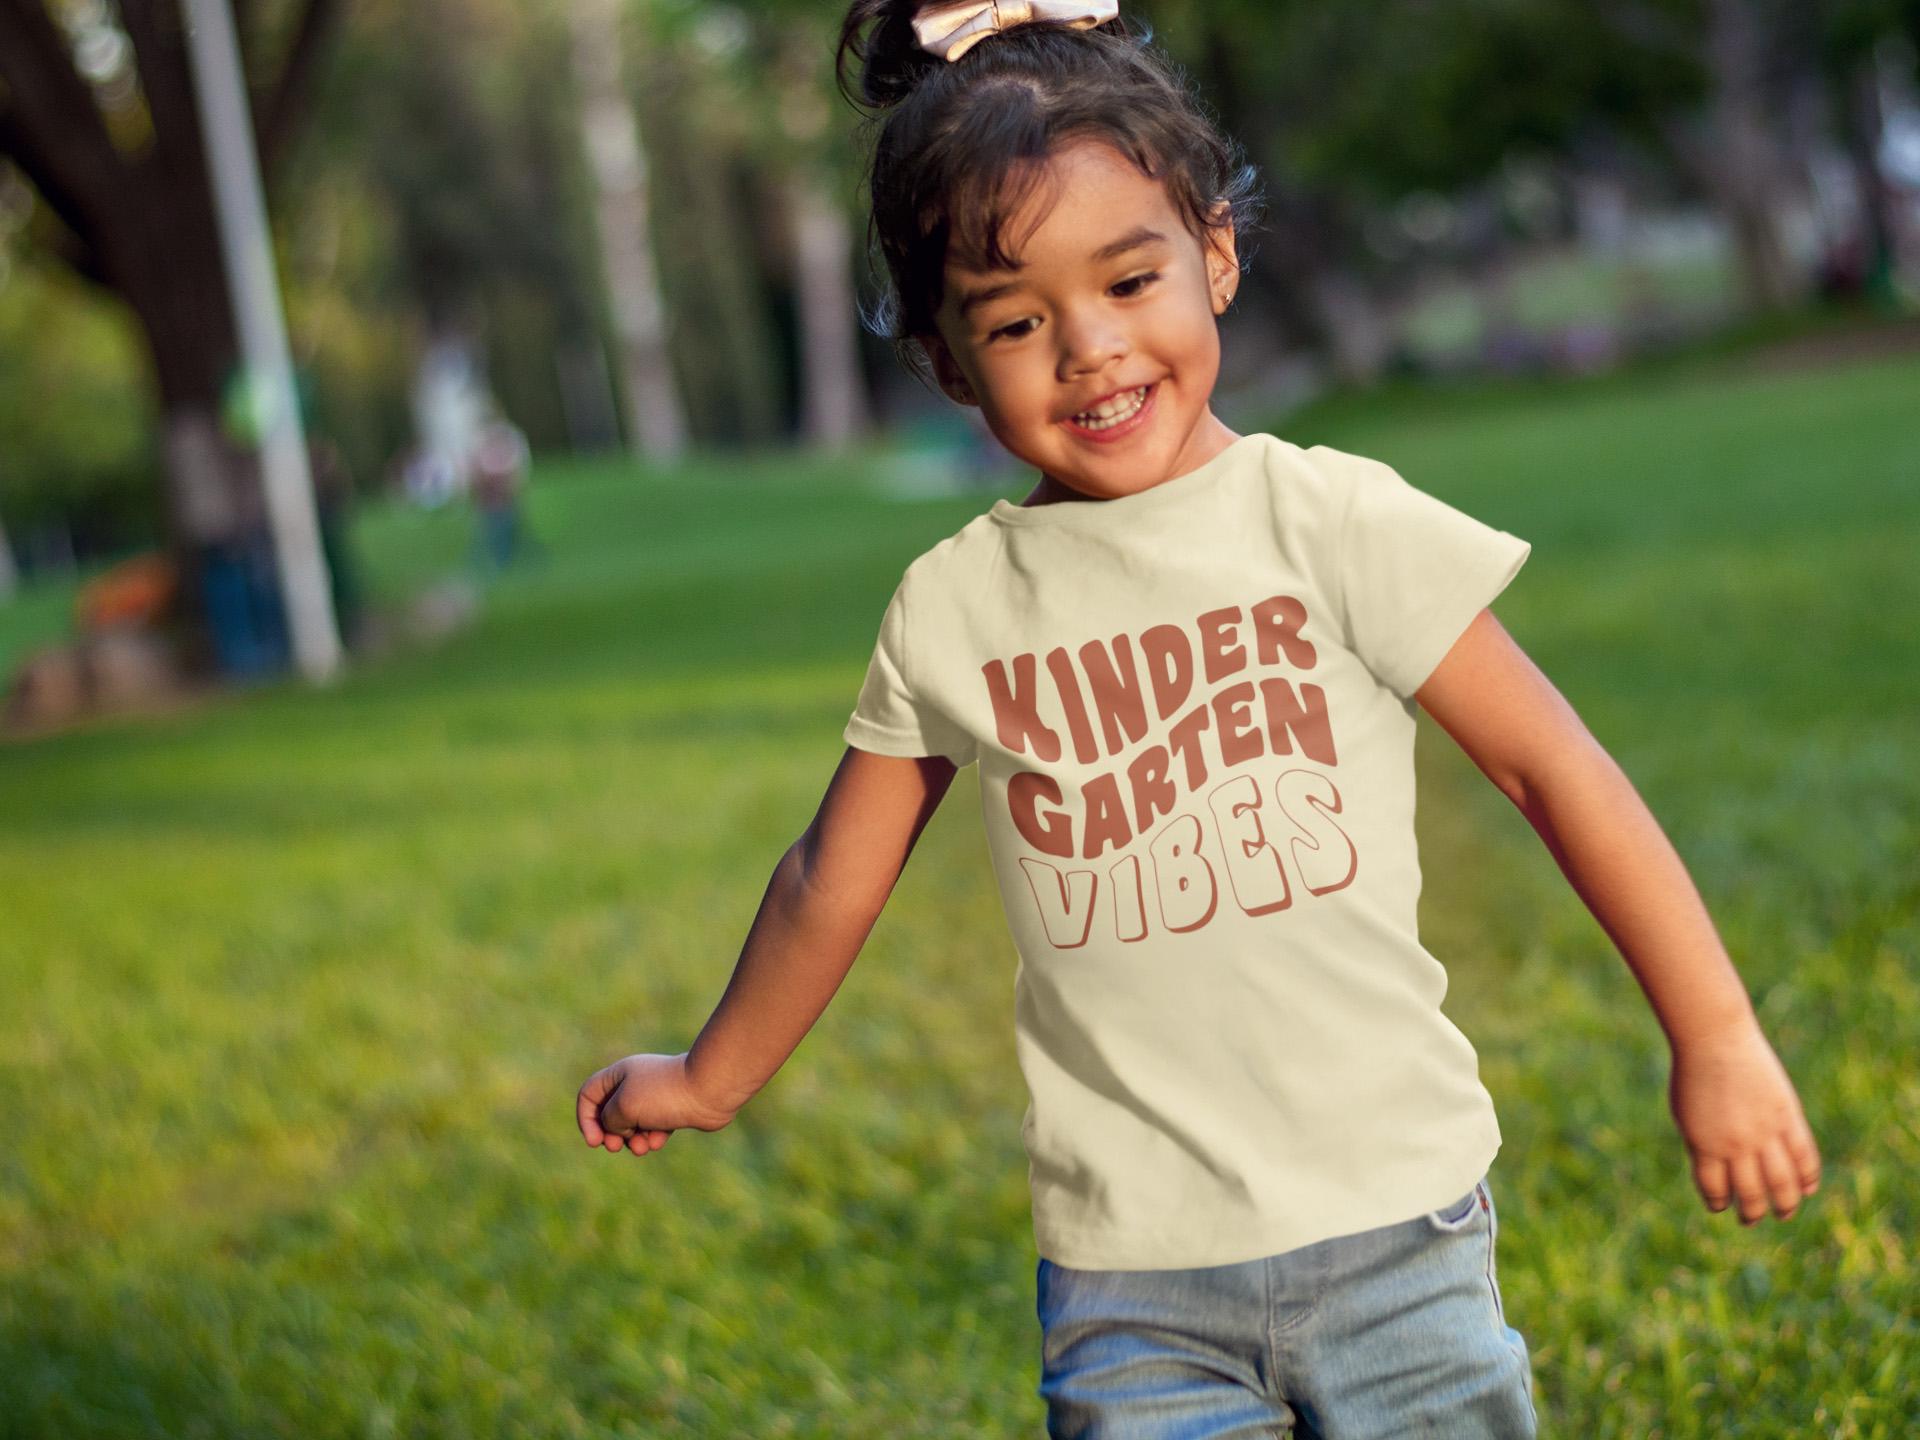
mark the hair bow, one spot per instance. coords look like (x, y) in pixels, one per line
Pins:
(953, 29)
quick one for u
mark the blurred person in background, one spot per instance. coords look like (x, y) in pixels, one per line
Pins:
(497, 475)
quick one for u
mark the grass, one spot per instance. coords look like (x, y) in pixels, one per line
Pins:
(301, 985)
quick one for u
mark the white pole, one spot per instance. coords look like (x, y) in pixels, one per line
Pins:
(266, 363)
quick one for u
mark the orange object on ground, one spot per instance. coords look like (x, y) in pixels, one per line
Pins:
(136, 591)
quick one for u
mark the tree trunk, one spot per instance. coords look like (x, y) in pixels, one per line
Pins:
(610, 128)
(745, 346)
(1744, 170)
(175, 281)
(144, 227)
(9, 575)
(1861, 128)
(833, 396)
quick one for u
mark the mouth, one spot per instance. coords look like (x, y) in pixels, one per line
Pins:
(1118, 414)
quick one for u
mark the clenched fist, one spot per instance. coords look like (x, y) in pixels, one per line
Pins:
(640, 1101)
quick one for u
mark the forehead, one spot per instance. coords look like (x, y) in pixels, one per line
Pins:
(1087, 197)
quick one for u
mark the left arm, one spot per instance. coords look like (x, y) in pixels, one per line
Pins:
(1731, 1098)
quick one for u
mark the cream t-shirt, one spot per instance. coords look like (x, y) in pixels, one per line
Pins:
(1191, 709)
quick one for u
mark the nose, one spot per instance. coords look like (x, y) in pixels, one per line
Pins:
(1090, 344)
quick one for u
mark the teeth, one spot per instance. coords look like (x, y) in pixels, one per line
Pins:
(1113, 411)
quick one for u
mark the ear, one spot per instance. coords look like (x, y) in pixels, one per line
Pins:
(947, 371)
(1223, 259)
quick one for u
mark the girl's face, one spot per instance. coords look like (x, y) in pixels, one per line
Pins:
(1084, 317)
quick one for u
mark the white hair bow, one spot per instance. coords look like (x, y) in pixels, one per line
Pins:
(951, 30)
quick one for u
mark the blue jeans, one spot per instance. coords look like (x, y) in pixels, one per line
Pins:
(1393, 1331)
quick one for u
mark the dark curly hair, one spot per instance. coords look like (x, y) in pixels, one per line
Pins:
(961, 144)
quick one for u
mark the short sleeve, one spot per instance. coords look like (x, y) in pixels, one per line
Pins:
(891, 717)
(1413, 573)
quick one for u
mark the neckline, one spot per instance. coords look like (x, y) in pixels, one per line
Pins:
(1123, 507)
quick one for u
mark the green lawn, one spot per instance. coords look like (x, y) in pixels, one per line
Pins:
(300, 985)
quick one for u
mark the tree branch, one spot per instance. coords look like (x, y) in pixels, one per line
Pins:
(20, 145)
(279, 115)
(52, 128)
(160, 51)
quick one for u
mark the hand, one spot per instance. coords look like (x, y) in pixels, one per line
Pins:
(641, 1100)
(1742, 1123)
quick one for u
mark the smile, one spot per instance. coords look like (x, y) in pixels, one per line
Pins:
(1116, 417)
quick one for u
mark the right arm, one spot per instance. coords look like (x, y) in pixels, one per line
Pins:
(825, 895)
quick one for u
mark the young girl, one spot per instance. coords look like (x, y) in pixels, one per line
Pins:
(1188, 667)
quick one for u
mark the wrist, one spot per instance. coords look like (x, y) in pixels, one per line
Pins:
(719, 1104)
(1713, 1030)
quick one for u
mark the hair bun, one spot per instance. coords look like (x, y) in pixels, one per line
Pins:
(892, 61)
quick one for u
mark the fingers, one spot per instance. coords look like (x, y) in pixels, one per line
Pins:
(597, 1112)
(1783, 1181)
(1749, 1187)
(1715, 1183)
(591, 1110)
(1777, 1176)
(645, 1142)
(587, 1108)
(1806, 1156)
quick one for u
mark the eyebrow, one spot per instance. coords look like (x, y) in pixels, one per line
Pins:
(1137, 238)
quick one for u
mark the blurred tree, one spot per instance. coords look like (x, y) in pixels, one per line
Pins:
(100, 118)
(738, 105)
(76, 462)
(1738, 156)
(609, 129)
(1350, 108)
(1750, 54)
(701, 98)
(1852, 36)
(74, 439)
(818, 233)
(482, 205)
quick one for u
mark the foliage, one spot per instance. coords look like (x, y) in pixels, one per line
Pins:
(452, 123)
(1369, 102)
(77, 424)
(350, 330)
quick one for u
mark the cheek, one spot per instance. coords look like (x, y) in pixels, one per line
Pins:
(1192, 342)
(1017, 384)
(1198, 317)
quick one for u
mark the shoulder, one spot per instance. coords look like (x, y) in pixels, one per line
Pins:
(1345, 489)
(1316, 475)
(966, 554)
(1307, 491)
(1343, 471)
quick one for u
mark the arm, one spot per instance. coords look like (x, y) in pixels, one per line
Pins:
(1734, 1104)
(825, 895)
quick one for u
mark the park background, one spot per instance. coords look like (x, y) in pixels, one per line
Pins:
(302, 976)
